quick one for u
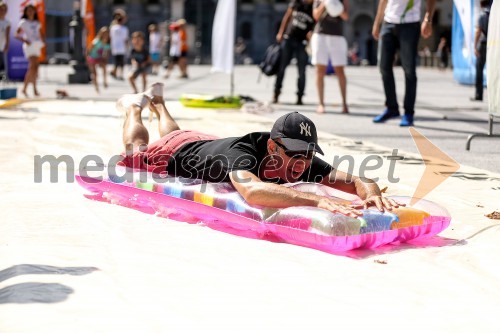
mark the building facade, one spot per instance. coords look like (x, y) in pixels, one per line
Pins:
(257, 21)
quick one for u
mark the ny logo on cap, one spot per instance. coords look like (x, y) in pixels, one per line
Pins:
(305, 127)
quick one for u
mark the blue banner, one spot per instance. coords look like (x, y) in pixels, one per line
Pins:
(17, 64)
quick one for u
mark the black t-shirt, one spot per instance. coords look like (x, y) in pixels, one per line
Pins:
(328, 25)
(140, 56)
(213, 160)
(301, 21)
(483, 25)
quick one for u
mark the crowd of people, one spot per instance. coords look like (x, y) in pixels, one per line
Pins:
(397, 27)
(308, 25)
(144, 52)
(113, 42)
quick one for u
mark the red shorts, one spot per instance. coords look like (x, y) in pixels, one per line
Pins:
(155, 158)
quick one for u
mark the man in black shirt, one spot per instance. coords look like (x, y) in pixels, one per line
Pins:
(256, 164)
(295, 30)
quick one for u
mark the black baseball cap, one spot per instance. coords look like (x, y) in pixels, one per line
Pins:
(297, 132)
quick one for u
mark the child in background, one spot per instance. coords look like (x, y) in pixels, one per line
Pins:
(175, 48)
(4, 38)
(140, 60)
(155, 44)
(98, 55)
(29, 32)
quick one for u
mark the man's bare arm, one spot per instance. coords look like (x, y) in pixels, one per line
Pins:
(317, 12)
(284, 24)
(366, 189)
(257, 192)
(379, 19)
(426, 29)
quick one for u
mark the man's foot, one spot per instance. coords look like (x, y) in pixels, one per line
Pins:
(299, 101)
(406, 121)
(36, 93)
(127, 100)
(155, 90)
(345, 109)
(320, 109)
(155, 94)
(25, 93)
(388, 114)
(476, 99)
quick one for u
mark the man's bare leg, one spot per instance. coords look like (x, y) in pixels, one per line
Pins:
(166, 124)
(134, 131)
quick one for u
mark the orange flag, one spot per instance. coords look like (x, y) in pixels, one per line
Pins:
(40, 11)
(89, 21)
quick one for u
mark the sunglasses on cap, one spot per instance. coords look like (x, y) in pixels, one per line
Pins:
(306, 155)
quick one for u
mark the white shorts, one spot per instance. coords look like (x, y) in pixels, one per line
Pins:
(326, 47)
(33, 50)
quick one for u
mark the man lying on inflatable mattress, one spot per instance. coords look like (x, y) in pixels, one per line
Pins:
(256, 164)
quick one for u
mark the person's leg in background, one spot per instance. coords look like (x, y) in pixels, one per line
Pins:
(302, 60)
(409, 35)
(183, 64)
(320, 60)
(286, 57)
(388, 45)
(339, 71)
(480, 62)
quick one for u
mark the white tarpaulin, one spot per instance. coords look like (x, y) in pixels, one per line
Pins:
(493, 59)
(223, 37)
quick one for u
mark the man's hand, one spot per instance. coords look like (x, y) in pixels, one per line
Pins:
(426, 29)
(335, 207)
(379, 201)
(279, 37)
(376, 31)
(476, 52)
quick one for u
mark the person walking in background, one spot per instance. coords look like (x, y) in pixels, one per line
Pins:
(443, 51)
(480, 37)
(4, 39)
(293, 35)
(240, 49)
(184, 48)
(401, 30)
(98, 55)
(328, 43)
(175, 48)
(119, 35)
(29, 32)
(140, 60)
(155, 45)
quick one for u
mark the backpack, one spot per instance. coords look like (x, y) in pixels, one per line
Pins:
(270, 65)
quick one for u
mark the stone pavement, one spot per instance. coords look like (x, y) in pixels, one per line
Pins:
(444, 113)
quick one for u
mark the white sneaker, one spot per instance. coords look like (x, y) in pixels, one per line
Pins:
(156, 89)
(127, 100)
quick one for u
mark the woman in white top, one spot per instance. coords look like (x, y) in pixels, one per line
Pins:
(29, 32)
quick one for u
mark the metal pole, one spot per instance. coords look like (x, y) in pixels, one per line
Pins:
(82, 74)
(232, 83)
(198, 43)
